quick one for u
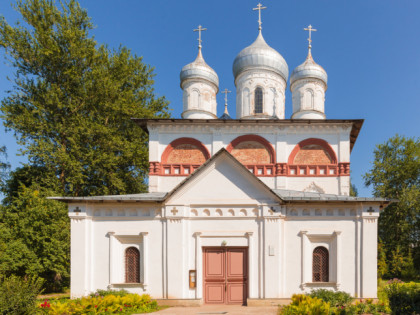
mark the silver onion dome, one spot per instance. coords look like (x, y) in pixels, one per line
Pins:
(199, 69)
(260, 55)
(309, 69)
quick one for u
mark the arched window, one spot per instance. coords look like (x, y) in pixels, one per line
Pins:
(132, 265)
(320, 265)
(309, 99)
(258, 101)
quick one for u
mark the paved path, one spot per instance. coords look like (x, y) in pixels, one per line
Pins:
(220, 310)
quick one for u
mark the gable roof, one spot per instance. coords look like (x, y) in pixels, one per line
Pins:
(219, 154)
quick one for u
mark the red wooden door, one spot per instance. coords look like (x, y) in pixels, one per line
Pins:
(225, 275)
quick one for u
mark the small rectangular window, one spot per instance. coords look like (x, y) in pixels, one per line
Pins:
(258, 99)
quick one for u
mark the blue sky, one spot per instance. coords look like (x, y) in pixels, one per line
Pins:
(370, 50)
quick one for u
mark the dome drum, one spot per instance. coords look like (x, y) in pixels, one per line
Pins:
(308, 114)
(200, 84)
(308, 84)
(260, 78)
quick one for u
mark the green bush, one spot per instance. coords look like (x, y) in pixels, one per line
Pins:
(362, 307)
(336, 299)
(404, 298)
(109, 292)
(304, 304)
(18, 296)
(108, 304)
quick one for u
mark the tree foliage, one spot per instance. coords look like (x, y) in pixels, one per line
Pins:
(72, 101)
(35, 238)
(4, 166)
(396, 174)
(70, 108)
(19, 296)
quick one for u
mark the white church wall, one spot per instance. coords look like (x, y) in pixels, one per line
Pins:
(283, 142)
(305, 235)
(279, 250)
(326, 185)
(336, 136)
(99, 239)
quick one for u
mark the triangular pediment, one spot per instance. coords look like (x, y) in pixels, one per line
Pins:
(222, 180)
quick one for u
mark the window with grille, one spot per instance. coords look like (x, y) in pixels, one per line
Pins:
(258, 100)
(320, 262)
(132, 265)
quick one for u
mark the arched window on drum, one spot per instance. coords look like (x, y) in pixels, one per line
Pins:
(259, 101)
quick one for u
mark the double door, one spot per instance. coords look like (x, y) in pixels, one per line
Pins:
(225, 275)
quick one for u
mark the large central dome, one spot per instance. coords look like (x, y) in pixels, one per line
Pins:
(260, 56)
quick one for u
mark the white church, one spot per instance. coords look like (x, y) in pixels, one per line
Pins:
(239, 211)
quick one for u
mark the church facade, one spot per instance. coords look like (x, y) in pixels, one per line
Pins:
(239, 211)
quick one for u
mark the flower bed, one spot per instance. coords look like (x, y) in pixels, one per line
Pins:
(108, 303)
(323, 302)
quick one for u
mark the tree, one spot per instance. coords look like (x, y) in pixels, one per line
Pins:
(70, 109)
(396, 174)
(353, 190)
(35, 238)
(72, 101)
(4, 166)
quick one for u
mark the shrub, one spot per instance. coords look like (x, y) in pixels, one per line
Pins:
(18, 296)
(108, 304)
(404, 298)
(336, 299)
(109, 292)
(304, 304)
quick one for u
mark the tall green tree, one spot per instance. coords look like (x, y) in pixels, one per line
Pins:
(396, 174)
(35, 238)
(72, 100)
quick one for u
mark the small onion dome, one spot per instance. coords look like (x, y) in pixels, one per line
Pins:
(260, 56)
(199, 69)
(309, 69)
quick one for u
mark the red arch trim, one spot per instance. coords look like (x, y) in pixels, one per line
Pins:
(255, 138)
(180, 141)
(324, 144)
